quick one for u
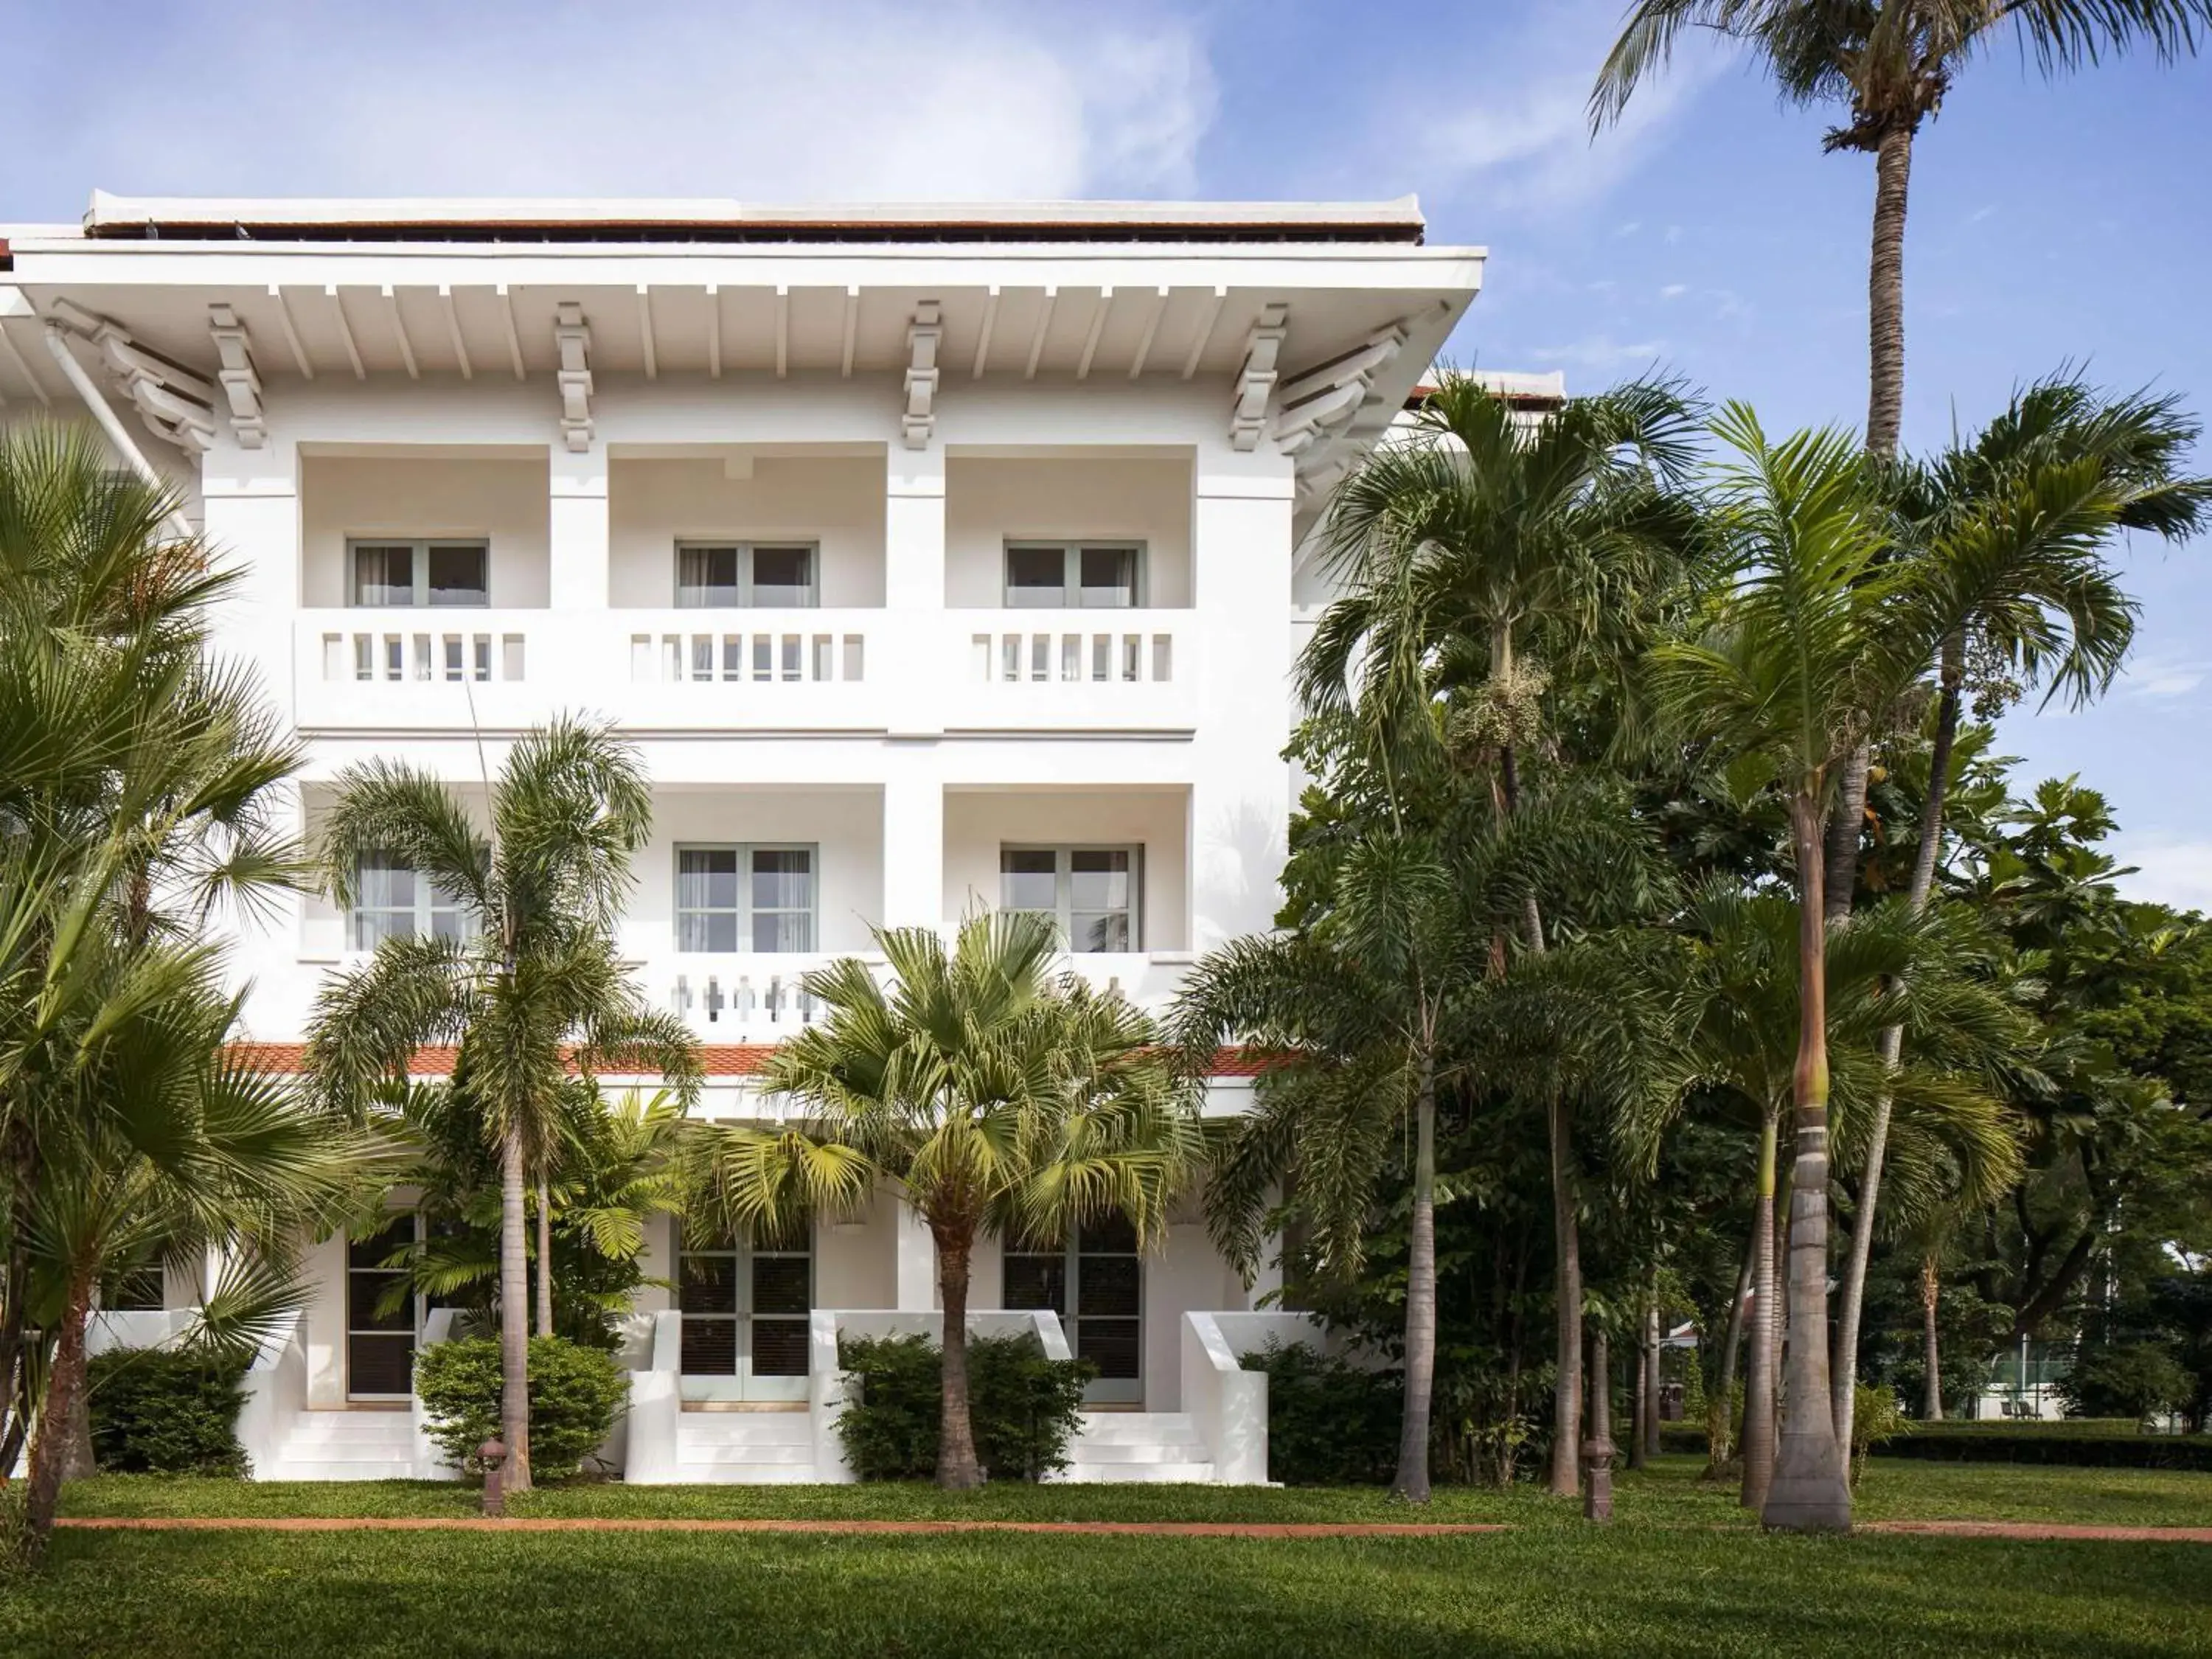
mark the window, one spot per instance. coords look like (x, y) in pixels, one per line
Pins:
(744, 574)
(135, 1290)
(1095, 1283)
(752, 1300)
(392, 902)
(745, 898)
(379, 1344)
(1089, 892)
(438, 575)
(1067, 575)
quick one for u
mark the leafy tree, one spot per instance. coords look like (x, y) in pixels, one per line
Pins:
(532, 985)
(996, 1097)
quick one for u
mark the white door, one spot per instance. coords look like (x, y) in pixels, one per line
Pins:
(1096, 1284)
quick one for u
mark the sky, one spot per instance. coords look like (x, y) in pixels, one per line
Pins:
(2053, 223)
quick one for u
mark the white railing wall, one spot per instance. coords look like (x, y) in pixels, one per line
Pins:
(429, 1462)
(275, 1388)
(656, 1407)
(1226, 1403)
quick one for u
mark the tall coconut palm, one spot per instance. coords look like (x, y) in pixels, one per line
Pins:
(1790, 671)
(1891, 64)
(997, 1098)
(2010, 538)
(530, 986)
(1485, 539)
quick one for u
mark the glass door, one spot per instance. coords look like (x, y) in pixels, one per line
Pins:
(746, 1309)
(379, 1346)
(1096, 1284)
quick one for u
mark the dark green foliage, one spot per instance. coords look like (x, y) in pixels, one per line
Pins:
(2101, 1442)
(2126, 1379)
(576, 1393)
(1024, 1406)
(158, 1412)
(1329, 1423)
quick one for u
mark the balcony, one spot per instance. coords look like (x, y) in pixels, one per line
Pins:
(1102, 671)
(366, 670)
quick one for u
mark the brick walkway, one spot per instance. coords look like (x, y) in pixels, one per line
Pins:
(565, 1523)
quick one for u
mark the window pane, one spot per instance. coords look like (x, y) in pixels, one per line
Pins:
(1098, 880)
(710, 1347)
(380, 1365)
(706, 577)
(137, 1291)
(1105, 931)
(707, 1283)
(1109, 1236)
(781, 1285)
(1038, 1281)
(783, 576)
(1107, 1285)
(783, 880)
(1109, 578)
(782, 932)
(383, 883)
(1112, 1344)
(780, 1347)
(707, 930)
(707, 878)
(383, 576)
(457, 576)
(1036, 576)
(372, 928)
(1028, 880)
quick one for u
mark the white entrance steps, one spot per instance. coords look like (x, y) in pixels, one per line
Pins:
(1124, 1446)
(346, 1445)
(751, 1448)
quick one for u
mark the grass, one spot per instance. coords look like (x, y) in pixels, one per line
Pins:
(1668, 1493)
(1645, 1589)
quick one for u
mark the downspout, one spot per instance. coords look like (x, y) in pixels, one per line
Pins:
(72, 371)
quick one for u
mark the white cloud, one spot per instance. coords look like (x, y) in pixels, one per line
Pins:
(2167, 872)
(2163, 678)
(1602, 352)
(1673, 290)
(842, 99)
(1517, 126)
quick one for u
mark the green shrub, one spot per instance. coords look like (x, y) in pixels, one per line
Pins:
(2129, 1379)
(2105, 1444)
(576, 1395)
(160, 1412)
(1025, 1407)
(1329, 1423)
(1877, 1417)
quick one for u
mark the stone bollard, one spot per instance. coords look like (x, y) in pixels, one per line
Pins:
(1597, 1450)
(493, 1455)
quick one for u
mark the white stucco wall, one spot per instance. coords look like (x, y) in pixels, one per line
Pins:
(836, 501)
(992, 500)
(503, 499)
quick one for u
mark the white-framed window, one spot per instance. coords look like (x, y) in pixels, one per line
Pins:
(403, 575)
(744, 1302)
(392, 902)
(1073, 576)
(747, 575)
(1096, 1283)
(1092, 893)
(752, 897)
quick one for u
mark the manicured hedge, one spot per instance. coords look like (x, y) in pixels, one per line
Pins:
(2083, 1445)
(158, 1412)
(1022, 1408)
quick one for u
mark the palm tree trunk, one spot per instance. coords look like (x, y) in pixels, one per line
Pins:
(1567, 1397)
(1845, 825)
(1931, 1285)
(514, 1315)
(1759, 1375)
(1412, 1481)
(50, 1445)
(1651, 1371)
(1925, 856)
(959, 1469)
(545, 1259)
(1720, 1424)
(1892, 169)
(1809, 1492)
(1639, 1450)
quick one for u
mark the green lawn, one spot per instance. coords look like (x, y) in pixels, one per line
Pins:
(1893, 1489)
(1645, 1590)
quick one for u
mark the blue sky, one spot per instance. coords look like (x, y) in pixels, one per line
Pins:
(2050, 223)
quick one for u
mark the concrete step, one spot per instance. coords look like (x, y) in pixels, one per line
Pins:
(1138, 1429)
(340, 1430)
(745, 1430)
(1188, 1473)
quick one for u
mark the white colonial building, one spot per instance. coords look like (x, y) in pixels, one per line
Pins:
(933, 558)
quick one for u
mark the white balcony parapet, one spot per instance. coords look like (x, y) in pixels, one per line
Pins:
(780, 648)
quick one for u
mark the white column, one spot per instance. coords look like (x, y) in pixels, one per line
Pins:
(914, 529)
(916, 1260)
(1241, 553)
(914, 838)
(577, 532)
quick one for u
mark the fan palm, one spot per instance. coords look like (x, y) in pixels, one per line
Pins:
(1891, 64)
(1484, 538)
(1789, 671)
(2011, 537)
(531, 984)
(997, 1097)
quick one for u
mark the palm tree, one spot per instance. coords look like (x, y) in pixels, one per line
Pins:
(1737, 1019)
(530, 986)
(997, 1097)
(2010, 538)
(1789, 671)
(1891, 64)
(1485, 536)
